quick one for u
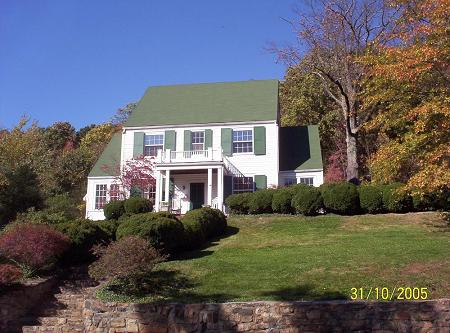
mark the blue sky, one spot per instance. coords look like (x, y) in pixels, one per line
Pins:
(80, 60)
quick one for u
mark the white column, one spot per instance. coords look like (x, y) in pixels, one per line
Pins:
(220, 188)
(167, 185)
(158, 191)
(209, 198)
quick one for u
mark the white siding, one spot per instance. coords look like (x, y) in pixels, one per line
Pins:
(91, 212)
(316, 175)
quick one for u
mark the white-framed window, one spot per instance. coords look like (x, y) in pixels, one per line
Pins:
(290, 181)
(150, 193)
(114, 192)
(100, 195)
(307, 180)
(198, 140)
(242, 184)
(152, 143)
(242, 141)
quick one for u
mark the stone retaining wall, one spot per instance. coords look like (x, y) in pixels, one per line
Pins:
(17, 300)
(274, 317)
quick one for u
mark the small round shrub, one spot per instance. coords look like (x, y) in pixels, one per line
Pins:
(129, 259)
(395, 200)
(83, 234)
(163, 233)
(371, 198)
(114, 210)
(33, 246)
(261, 202)
(9, 274)
(281, 201)
(194, 234)
(238, 203)
(109, 227)
(135, 205)
(307, 200)
(212, 221)
(340, 198)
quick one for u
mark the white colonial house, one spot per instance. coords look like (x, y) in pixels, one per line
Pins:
(207, 141)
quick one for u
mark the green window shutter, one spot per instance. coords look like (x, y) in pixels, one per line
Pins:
(138, 148)
(227, 186)
(259, 133)
(187, 140)
(170, 140)
(261, 182)
(227, 141)
(208, 138)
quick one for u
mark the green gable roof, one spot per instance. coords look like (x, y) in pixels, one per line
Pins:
(207, 103)
(300, 148)
(108, 162)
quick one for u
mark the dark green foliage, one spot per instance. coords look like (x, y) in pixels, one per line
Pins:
(194, 232)
(281, 201)
(114, 209)
(33, 216)
(307, 200)
(62, 204)
(135, 205)
(163, 233)
(432, 201)
(109, 227)
(83, 234)
(238, 203)
(371, 198)
(395, 200)
(20, 192)
(340, 198)
(261, 202)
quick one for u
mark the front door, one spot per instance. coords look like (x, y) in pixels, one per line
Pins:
(197, 195)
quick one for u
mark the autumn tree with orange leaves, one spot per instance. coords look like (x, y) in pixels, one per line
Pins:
(409, 84)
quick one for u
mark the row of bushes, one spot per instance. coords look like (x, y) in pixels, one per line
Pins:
(340, 198)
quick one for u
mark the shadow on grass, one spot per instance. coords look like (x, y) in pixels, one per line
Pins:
(302, 292)
(202, 252)
(161, 286)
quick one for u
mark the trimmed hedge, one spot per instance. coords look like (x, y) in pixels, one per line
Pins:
(136, 205)
(395, 200)
(260, 202)
(307, 200)
(162, 232)
(340, 198)
(238, 203)
(281, 201)
(114, 209)
(371, 198)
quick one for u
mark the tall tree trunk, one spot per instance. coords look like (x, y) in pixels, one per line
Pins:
(352, 156)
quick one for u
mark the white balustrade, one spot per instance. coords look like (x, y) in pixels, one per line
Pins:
(173, 156)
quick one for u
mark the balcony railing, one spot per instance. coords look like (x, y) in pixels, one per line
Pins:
(172, 156)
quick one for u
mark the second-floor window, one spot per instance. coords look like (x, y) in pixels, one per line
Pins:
(152, 143)
(198, 140)
(242, 141)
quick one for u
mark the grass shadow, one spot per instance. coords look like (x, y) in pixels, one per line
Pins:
(302, 292)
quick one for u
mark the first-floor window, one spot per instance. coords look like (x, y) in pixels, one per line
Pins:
(242, 184)
(100, 196)
(307, 180)
(150, 193)
(290, 181)
(114, 192)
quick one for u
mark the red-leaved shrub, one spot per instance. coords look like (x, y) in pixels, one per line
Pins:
(32, 245)
(9, 273)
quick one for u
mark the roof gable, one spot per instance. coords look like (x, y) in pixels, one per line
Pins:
(207, 103)
(108, 161)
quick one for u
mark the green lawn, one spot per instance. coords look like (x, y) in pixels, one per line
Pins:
(276, 257)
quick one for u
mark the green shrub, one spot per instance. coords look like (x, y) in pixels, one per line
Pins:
(281, 201)
(431, 201)
(395, 200)
(238, 203)
(83, 234)
(371, 198)
(33, 216)
(62, 204)
(114, 209)
(261, 202)
(135, 205)
(307, 200)
(163, 233)
(109, 227)
(212, 221)
(340, 198)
